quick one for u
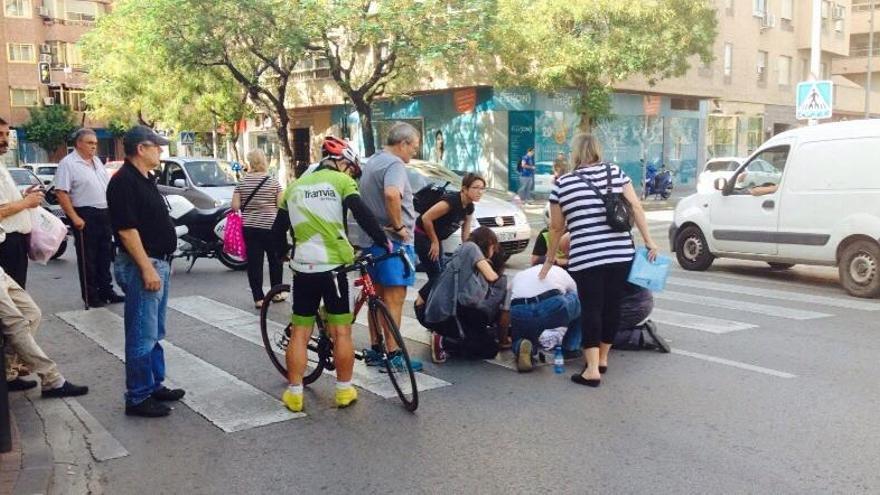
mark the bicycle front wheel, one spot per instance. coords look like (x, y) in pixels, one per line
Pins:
(397, 364)
(276, 338)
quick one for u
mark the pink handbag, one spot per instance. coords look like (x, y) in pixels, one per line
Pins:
(233, 236)
(47, 234)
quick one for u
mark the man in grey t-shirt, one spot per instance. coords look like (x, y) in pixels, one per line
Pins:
(384, 187)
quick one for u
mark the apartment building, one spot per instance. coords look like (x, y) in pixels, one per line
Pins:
(855, 67)
(42, 64)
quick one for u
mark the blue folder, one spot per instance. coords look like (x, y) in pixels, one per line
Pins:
(651, 276)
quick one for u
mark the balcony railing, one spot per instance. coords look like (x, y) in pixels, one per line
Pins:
(863, 51)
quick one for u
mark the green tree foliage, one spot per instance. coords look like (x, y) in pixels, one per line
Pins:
(379, 47)
(132, 78)
(592, 44)
(49, 127)
(256, 43)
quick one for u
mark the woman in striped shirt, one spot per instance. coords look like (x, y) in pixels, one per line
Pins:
(599, 258)
(257, 217)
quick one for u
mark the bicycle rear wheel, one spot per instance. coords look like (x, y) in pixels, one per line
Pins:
(399, 368)
(276, 338)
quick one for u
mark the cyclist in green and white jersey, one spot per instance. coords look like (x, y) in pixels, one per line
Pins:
(316, 204)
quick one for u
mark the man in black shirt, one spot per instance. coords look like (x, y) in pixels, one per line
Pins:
(146, 236)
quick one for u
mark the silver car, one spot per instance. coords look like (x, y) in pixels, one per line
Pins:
(205, 182)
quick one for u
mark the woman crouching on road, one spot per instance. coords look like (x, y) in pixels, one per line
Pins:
(599, 257)
(463, 305)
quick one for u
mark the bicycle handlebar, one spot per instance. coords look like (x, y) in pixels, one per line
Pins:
(371, 260)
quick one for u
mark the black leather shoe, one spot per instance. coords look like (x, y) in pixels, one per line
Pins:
(113, 298)
(580, 380)
(149, 408)
(66, 390)
(18, 385)
(95, 302)
(167, 394)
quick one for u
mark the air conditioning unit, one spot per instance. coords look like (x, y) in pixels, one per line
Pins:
(45, 48)
(43, 12)
(768, 21)
(48, 101)
(761, 71)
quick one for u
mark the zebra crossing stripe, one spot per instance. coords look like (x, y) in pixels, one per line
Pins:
(410, 328)
(837, 302)
(738, 305)
(697, 322)
(735, 364)
(246, 326)
(226, 401)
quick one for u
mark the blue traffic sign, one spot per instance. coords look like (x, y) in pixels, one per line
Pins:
(187, 137)
(814, 100)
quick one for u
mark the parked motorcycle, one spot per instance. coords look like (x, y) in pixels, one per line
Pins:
(658, 183)
(200, 233)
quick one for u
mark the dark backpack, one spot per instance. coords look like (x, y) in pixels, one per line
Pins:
(641, 337)
(429, 196)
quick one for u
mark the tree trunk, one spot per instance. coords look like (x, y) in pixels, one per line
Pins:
(365, 112)
(283, 130)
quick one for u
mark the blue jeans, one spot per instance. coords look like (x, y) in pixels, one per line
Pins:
(527, 321)
(526, 186)
(144, 328)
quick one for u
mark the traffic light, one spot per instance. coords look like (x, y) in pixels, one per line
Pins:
(44, 73)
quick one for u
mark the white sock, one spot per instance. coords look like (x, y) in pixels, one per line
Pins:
(295, 389)
(342, 385)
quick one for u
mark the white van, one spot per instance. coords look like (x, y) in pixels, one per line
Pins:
(816, 201)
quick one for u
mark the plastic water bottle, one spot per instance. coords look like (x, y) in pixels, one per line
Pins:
(558, 362)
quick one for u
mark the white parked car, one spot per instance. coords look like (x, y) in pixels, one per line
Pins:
(722, 167)
(819, 205)
(24, 178)
(45, 171)
(495, 210)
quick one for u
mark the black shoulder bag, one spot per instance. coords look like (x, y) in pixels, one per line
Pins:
(618, 212)
(251, 195)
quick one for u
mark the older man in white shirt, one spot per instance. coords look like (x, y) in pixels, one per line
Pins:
(81, 183)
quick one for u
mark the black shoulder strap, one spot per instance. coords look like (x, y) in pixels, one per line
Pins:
(251, 195)
(590, 184)
(608, 186)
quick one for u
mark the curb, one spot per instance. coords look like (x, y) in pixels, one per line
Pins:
(35, 476)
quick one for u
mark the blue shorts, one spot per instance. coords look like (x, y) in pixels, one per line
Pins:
(390, 273)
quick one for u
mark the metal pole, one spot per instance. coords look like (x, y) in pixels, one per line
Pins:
(214, 134)
(868, 88)
(815, 46)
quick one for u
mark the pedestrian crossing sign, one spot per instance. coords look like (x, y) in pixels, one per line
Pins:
(814, 100)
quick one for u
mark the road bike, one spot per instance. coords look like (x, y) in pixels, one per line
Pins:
(320, 346)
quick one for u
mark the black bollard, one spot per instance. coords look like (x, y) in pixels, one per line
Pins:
(5, 430)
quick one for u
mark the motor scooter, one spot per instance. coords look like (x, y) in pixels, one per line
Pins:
(658, 183)
(200, 233)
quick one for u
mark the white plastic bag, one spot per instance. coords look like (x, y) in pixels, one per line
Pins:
(47, 234)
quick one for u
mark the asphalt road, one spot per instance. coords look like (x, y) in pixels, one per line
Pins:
(772, 388)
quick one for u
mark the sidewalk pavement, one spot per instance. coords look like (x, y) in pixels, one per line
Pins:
(27, 469)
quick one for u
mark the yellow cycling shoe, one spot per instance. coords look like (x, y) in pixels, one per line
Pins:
(345, 396)
(293, 401)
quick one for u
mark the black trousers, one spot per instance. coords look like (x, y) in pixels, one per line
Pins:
(13, 257)
(423, 247)
(94, 253)
(259, 245)
(479, 341)
(600, 290)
